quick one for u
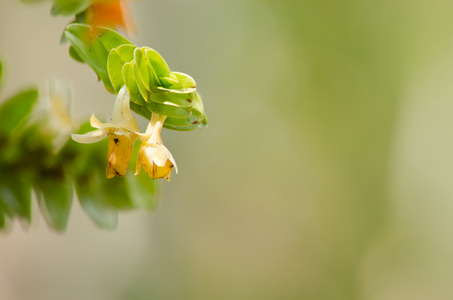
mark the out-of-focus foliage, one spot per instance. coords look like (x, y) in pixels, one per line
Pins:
(68, 7)
(109, 13)
(28, 162)
(152, 86)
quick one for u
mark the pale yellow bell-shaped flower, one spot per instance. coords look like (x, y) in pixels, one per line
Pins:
(153, 156)
(121, 134)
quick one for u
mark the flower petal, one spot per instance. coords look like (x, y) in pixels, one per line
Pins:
(94, 122)
(122, 116)
(90, 137)
(170, 157)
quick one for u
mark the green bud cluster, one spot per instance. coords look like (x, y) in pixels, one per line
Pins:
(152, 86)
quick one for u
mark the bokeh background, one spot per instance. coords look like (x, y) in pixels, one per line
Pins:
(326, 171)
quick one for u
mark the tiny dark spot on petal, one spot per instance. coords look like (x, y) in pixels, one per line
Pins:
(116, 141)
(194, 122)
(188, 100)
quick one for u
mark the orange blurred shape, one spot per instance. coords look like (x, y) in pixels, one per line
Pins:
(112, 14)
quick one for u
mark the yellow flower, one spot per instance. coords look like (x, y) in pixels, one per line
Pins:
(121, 134)
(153, 156)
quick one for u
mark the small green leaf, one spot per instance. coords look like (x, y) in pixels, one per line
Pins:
(116, 193)
(185, 84)
(157, 62)
(141, 110)
(55, 198)
(180, 92)
(194, 121)
(68, 7)
(80, 38)
(109, 38)
(94, 204)
(2, 220)
(169, 110)
(131, 85)
(117, 58)
(142, 190)
(15, 110)
(144, 68)
(105, 40)
(139, 81)
(169, 81)
(15, 196)
(93, 45)
(177, 99)
(73, 53)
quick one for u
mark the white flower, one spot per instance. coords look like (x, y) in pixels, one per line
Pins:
(153, 156)
(54, 114)
(122, 133)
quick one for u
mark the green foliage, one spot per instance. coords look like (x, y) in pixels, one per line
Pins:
(152, 86)
(93, 47)
(16, 109)
(54, 192)
(15, 196)
(69, 7)
(117, 58)
(28, 162)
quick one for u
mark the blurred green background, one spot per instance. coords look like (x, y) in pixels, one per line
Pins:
(326, 171)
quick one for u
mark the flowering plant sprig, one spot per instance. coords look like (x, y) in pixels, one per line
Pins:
(37, 155)
(142, 79)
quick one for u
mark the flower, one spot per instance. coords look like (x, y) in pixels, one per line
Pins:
(153, 156)
(121, 135)
(55, 114)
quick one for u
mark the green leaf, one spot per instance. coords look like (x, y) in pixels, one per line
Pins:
(184, 83)
(73, 53)
(180, 92)
(80, 38)
(131, 85)
(141, 110)
(93, 45)
(190, 123)
(144, 68)
(94, 204)
(172, 111)
(15, 196)
(68, 7)
(109, 39)
(117, 58)
(169, 97)
(15, 110)
(158, 64)
(140, 82)
(2, 220)
(143, 190)
(104, 41)
(54, 193)
(116, 193)
(169, 81)
(204, 122)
